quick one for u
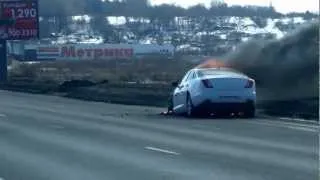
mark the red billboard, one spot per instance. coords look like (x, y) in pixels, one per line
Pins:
(25, 17)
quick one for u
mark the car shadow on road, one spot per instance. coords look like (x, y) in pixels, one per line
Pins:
(230, 116)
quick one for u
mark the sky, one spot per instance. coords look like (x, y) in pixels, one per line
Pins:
(283, 6)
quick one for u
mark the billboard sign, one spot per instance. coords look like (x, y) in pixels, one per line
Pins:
(78, 52)
(41, 52)
(25, 17)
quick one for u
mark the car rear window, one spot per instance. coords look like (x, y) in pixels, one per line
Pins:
(208, 72)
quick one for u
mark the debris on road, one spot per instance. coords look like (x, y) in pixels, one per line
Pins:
(167, 113)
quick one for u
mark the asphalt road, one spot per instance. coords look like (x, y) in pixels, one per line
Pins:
(53, 138)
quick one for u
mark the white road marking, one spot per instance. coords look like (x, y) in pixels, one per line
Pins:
(301, 127)
(3, 117)
(285, 123)
(292, 124)
(161, 150)
(201, 127)
(297, 120)
(57, 127)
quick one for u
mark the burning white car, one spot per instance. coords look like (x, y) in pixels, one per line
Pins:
(214, 91)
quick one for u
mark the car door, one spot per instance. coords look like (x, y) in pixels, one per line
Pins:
(178, 102)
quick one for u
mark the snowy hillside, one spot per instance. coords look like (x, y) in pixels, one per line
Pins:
(193, 35)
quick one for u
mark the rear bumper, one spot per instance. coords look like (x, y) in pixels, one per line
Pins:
(223, 97)
(214, 107)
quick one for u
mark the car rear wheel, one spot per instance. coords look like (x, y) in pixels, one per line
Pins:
(170, 104)
(190, 108)
(250, 111)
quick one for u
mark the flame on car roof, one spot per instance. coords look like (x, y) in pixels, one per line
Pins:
(215, 64)
(212, 63)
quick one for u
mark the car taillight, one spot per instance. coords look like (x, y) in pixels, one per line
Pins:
(207, 83)
(249, 84)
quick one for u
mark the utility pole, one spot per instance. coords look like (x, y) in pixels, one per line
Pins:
(3, 61)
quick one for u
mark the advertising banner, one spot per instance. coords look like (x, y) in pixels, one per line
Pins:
(19, 19)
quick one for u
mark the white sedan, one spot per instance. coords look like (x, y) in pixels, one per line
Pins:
(214, 90)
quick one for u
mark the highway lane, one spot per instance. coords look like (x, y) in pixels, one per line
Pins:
(50, 138)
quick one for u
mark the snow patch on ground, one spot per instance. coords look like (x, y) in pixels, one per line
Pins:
(85, 18)
(116, 20)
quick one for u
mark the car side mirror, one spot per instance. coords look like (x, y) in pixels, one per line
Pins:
(175, 84)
